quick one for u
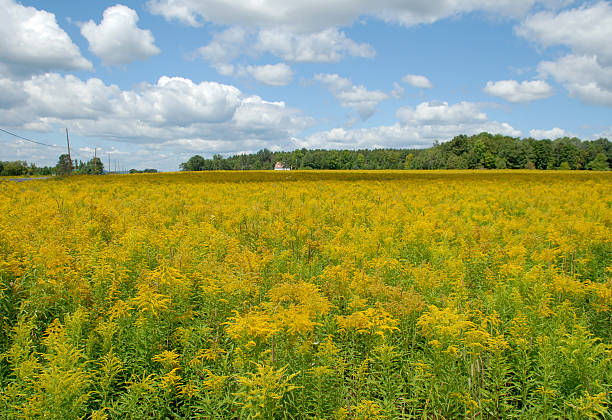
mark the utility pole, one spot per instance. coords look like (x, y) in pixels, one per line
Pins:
(109, 167)
(69, 158)
(95, 160)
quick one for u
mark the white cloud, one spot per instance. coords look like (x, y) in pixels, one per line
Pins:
(398, 135)
(328, 45)
(316, 15)
(32, 42)
(417, 127)
(118, 39)
(16, 149)
(225, 45)
(587, 30)
(513, 91)
(607, 133)
(272, 74)
(172, 108)
(357, 97)
(553, 133)
(398, 91)
(417, 81)
(583, 76)
(257, 116)
(11, 94)
(441, 113)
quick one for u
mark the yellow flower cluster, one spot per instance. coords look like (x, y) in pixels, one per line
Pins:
(392, 294)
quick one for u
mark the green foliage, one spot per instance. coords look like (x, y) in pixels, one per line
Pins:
(21, 168)
(600, 163)
(407, 161)
(481, 151)
(64, 165)
(144, 171)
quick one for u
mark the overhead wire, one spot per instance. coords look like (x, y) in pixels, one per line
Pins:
(37, 142)
(30, 140)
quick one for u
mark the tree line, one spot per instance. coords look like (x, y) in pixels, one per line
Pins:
(22, 168)
(91, 167)
(64, 166)
(480, 151)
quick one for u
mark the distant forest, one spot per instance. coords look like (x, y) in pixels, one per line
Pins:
(481, 151)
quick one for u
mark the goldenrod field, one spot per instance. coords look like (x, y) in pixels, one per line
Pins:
(405, 294)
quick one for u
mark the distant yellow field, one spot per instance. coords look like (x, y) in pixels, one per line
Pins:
(391, 294)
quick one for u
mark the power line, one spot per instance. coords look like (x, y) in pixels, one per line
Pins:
(26, 139)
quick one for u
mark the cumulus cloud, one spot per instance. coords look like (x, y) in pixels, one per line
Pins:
(417, 81)
(329, 45)
(587, 30)
(316, 15)
(307, 31)
(272, 74)
(441, 113)
(513, 91)
(583, 76)
(174, 118)
(398, 135)
(587, 71)
(553, 133)
(416, 127)
(32, 42)
(11, 94)
(357, 97)
(224, 46)
(174, 107)
(326, 46)
(118, 39)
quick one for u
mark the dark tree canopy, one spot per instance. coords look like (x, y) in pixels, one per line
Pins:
(64, 165)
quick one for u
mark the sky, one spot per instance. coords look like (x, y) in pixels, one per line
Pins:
(148, 84)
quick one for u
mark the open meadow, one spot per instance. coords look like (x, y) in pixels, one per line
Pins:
(391, 294)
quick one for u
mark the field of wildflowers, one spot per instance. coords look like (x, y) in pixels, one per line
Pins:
(482, 294)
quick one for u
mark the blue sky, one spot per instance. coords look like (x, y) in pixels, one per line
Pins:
(151, 83)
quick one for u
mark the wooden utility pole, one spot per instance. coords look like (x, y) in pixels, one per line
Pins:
(109, 167)
(69, 157)
(95, 161)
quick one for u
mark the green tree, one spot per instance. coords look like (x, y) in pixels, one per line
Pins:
(360, 163)
(93, 167)
(456, 162)
(408, 161)
(476, 154)
(459, 145)
(488, 160)
(195, 163)
(543, 154)
(600, 163)
(566, 150)
(500, 163)
(16, 168)
(64, 165)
